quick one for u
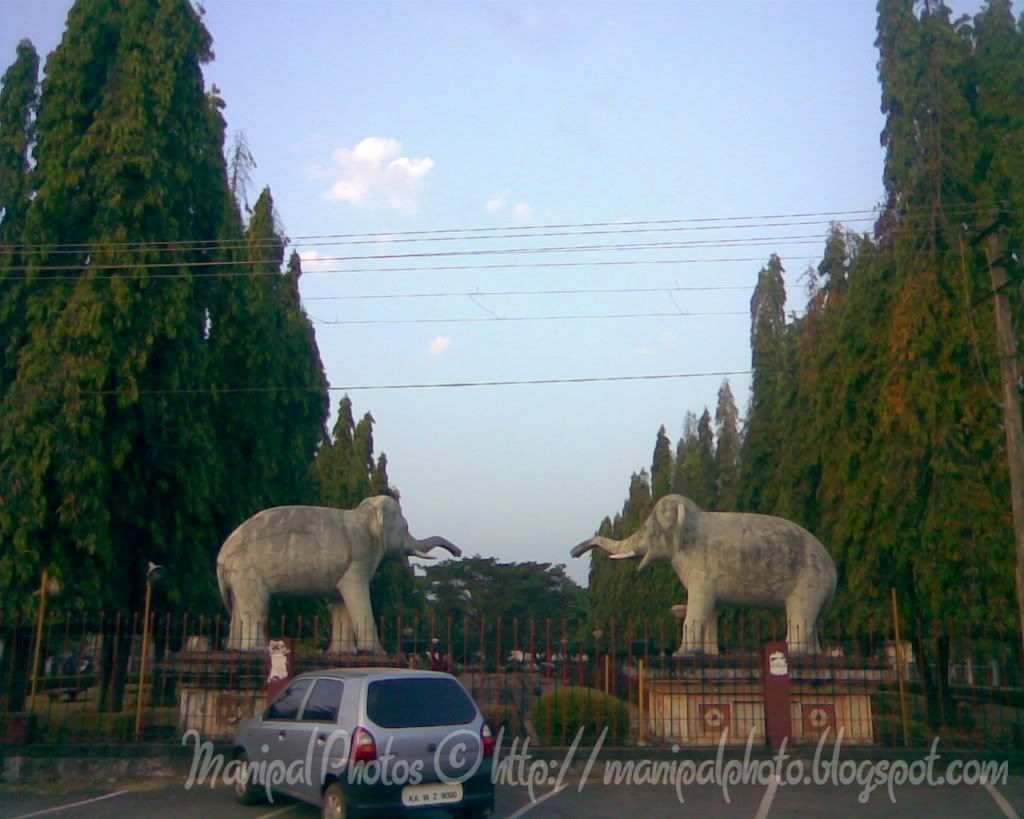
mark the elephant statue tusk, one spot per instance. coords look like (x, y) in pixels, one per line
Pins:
(624, 555)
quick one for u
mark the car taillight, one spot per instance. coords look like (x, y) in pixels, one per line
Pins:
(364, 746)
(487, 738)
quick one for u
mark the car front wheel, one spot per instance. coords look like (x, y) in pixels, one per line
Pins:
(332, 806)
(247, 792)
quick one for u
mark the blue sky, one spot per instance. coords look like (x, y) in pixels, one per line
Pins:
(389, 117)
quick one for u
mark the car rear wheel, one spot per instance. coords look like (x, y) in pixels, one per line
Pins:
(246, 790)
(477, 812)
(332, 806)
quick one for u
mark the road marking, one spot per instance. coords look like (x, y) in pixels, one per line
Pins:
(70, 805)
(278, 812)
(531, 805)
(766, 800)
(1000, 800)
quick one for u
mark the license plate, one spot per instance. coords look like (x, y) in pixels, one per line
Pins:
(413, 796)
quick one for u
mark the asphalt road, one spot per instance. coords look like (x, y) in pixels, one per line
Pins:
(163, 801)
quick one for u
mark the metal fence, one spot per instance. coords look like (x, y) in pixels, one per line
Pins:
(80, 678)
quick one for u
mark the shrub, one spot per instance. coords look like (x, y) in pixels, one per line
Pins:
(558, 716)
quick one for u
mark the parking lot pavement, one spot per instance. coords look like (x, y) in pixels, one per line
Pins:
(594, 801)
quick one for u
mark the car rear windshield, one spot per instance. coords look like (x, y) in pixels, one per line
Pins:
(418, 703)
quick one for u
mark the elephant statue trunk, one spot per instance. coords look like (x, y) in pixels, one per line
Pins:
(632, 546)
(420, 547)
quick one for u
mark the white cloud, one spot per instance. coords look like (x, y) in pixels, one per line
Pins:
(644, 349)
(438, 345)
(499, 203)
(312, 261)
(375, 170)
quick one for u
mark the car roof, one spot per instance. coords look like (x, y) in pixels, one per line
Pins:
(372, 672)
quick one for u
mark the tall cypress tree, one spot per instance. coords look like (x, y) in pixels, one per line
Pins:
(104, 442)
(360, 474)
(708, 471)
(727, 452)
(764, 427)
(19, 96)
(661, 465)
(260, 336)
(334, 461)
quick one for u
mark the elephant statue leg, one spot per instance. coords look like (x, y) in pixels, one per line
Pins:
(342, 639)
(801, 617)
(355, 591)
(699, 627)
(711, 633)
(248, 620)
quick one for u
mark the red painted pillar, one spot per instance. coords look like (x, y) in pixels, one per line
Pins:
(775, 673)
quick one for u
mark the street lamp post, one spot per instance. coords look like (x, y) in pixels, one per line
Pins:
(153, 573)
(48, 586)
(598, 634)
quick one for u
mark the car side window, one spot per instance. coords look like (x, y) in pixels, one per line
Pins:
(323, 703)
(287, 705)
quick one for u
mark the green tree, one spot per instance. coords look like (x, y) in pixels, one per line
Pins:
(334, 460)
(727, 451)
(695, 461)
(538, 605)
(661, 465)
(104, 445)
(19, 95)
(260, 336)
(708, 470)
(764, 427)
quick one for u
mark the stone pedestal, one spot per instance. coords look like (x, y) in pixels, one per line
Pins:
(219, 689)
(694, 713)
(692, 702)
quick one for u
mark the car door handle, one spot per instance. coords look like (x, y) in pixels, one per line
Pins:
(280, 734)
(321, 739)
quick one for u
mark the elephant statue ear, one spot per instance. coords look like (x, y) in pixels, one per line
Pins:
(383, 511)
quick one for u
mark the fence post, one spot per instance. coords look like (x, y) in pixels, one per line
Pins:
(142, 660)
(642, 739)
(899, 670)
(39, 640)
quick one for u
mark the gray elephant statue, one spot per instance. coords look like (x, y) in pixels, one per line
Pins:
(756, 561)
(315, 551)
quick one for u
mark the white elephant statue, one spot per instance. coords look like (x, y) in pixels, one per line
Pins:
(316, 551)
(749, 560)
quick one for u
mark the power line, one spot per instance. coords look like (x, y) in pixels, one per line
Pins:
(752, 241)
(246, 244)
(222, 274)
(488, 293)
(864, 213)
(432, 386)
(493, 319)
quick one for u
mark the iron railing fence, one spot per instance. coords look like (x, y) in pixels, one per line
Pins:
(538, 678)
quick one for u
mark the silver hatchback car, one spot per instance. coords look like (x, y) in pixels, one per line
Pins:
(370, 742)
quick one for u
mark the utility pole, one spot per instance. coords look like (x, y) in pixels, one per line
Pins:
(1006, 345)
